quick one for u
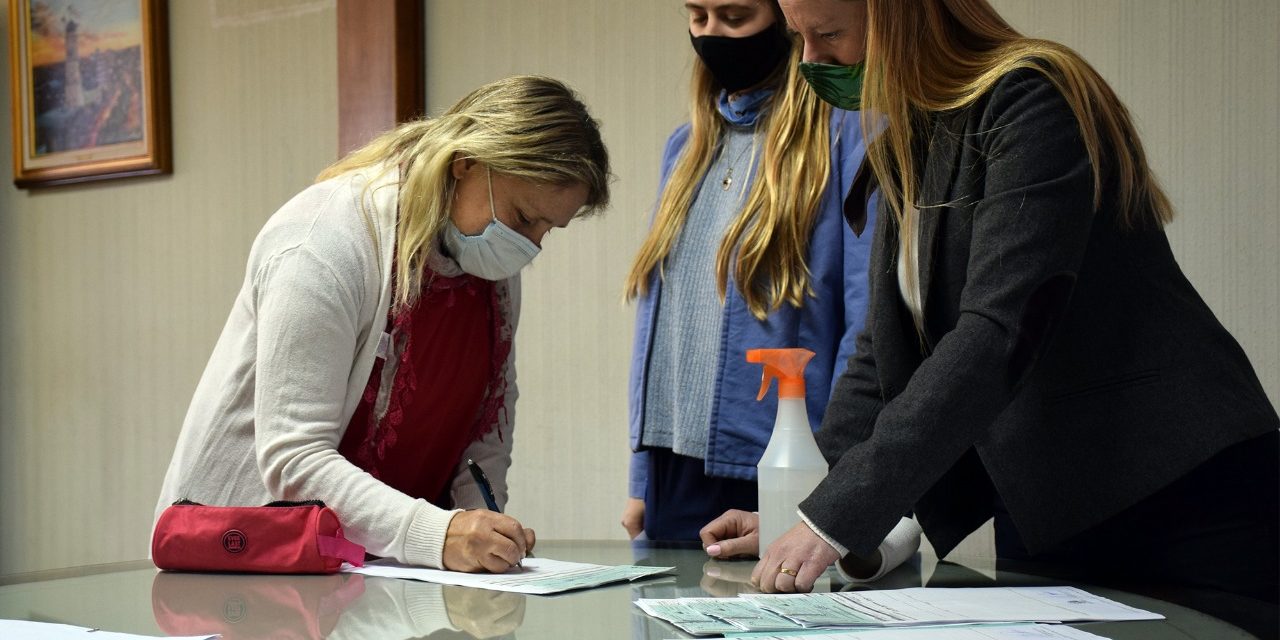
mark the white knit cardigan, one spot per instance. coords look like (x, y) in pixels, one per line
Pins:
(293, 361)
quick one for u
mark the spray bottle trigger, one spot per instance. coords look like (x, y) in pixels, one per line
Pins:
(766, 379)
(787, 365)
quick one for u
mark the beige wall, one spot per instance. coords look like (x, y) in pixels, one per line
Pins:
(111, 296)
(629, 61)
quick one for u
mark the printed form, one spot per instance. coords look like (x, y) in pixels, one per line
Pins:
(715, 616)
(926, 605)
(538, 576)
(978, 632)
(905, 608)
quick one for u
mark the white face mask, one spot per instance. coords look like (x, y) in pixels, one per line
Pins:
(498, 253)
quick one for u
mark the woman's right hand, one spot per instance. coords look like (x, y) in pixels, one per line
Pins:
(479, 541)
(633, 517)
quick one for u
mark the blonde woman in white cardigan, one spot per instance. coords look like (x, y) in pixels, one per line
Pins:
(368, 355)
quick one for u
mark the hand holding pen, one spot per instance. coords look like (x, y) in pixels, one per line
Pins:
(482, 540)
(491, 501)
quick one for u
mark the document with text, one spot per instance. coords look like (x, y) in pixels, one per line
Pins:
(913, 607)
(967, 632)
(715, 616)
(537, 576)
(932, 605)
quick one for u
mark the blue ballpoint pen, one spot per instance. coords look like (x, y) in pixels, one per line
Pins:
(486, 490)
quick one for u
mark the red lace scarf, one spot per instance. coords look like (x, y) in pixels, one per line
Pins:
(447, 392)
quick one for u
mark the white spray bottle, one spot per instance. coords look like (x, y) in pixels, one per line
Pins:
(792, 466)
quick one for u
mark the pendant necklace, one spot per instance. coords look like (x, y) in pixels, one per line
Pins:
(728, 174)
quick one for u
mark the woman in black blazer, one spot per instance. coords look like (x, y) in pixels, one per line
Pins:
(1033, 352)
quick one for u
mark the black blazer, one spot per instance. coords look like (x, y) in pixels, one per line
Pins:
(1066, 364)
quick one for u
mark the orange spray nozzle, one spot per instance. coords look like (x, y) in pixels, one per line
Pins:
(787, 365)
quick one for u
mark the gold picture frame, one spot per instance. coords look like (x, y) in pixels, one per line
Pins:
(90, 88)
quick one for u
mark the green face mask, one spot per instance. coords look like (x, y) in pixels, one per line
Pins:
(839, 85)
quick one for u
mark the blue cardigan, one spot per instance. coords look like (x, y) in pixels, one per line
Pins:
(740, 426)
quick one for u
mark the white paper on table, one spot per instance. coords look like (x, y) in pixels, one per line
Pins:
(978, 632)
(933, 605)
(28, 630)
(538, 576)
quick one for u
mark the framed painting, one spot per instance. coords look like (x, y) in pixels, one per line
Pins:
(90, 88)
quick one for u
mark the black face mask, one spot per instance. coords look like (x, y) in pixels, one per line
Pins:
(740, 63)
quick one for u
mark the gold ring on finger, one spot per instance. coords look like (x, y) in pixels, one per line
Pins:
(790, 572)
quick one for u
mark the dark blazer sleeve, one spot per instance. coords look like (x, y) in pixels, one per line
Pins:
(1029, 232)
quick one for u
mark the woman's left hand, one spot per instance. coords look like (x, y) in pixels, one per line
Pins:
(802, 553)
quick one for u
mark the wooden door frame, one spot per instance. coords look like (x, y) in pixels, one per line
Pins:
(381, 67)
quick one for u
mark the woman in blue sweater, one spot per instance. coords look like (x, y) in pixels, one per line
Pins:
(748, 249)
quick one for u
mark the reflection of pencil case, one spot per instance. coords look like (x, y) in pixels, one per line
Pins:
(281, 537)
(252, 606)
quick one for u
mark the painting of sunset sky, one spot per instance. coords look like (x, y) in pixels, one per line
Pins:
(86, 74)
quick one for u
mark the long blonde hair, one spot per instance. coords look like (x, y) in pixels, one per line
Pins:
(936, 55)
(528, 127)
(766, 245)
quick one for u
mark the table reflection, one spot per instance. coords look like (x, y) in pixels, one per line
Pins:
(332, 606)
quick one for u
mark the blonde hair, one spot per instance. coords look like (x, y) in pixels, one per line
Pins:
(937, 55)
(766, 245)
(528, 127)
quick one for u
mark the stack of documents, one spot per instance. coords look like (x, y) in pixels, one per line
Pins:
(539, 576)
(967, 632)
(919, 606)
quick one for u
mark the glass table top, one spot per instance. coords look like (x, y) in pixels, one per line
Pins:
(134, 597)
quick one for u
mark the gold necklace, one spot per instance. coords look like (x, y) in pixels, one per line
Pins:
(728, 174)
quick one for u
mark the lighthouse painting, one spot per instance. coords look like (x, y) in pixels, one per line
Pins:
(87, 77)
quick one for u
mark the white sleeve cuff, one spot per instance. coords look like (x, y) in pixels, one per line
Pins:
(826, 538)
(901, 543)
(424, 542)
